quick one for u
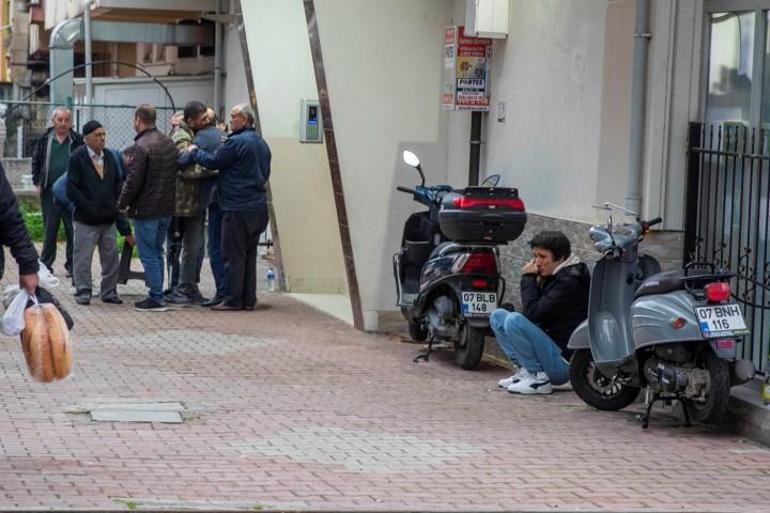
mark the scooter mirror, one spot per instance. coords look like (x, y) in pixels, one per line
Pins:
(491, 181)
(410, 159)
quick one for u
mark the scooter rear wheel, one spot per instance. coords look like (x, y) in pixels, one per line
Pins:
(469, 348)
(718, 392)
(594, 388)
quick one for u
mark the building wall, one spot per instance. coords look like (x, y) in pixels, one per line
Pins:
(282, 68)
(383, 64)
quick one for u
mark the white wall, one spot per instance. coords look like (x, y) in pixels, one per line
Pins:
(235, 90)
(383, 65)
(282, 69)
(549, 73)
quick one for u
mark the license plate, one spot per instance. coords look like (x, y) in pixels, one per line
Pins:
(478, 303)
(721, 321)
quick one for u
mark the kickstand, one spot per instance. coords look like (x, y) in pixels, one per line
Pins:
(649, 400)
(686, 411)
(425, 355)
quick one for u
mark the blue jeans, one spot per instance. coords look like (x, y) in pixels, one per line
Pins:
(150, 236)
(528, 346)
(215, 249)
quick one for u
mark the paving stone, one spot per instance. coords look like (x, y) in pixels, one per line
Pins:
(286, 408)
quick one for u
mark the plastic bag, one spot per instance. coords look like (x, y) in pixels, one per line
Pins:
(13, 318)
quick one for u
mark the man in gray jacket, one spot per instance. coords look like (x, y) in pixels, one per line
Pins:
(50, 161)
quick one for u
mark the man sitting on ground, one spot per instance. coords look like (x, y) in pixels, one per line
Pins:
(554, 293)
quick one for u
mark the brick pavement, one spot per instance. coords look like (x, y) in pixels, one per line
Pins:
(287, 408)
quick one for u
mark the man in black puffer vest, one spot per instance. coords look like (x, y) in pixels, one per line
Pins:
(149, 197)
(94, 183)
(554, 293)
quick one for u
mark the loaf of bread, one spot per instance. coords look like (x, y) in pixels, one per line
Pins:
(45, 342)
(59, 338)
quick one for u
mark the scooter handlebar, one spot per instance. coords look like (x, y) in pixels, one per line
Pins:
(405, 189)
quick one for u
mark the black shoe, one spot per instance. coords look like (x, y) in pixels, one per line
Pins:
(112, 300)
(83, 297)
(214, 301)
(177, 299)
(224, 307)
(149, 305)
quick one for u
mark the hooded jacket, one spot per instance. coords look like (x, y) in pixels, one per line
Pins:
(558, 303)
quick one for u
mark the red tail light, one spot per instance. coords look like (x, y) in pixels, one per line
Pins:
(478, 283)
(717, 292)
(480, 263)
(465, 202)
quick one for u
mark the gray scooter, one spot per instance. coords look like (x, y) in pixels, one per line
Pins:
(674, 333)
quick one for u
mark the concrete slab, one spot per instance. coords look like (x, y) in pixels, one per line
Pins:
(105, 415)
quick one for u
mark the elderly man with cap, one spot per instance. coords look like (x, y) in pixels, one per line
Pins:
(94, 183)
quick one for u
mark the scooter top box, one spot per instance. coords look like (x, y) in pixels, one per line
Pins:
(493, 215)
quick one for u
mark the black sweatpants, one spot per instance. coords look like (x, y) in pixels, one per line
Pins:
(240, 235)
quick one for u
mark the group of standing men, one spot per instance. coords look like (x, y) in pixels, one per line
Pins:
(170, 187)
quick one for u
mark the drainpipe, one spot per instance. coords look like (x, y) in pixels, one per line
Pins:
(642, 38)
(87, 35)
(218, 63)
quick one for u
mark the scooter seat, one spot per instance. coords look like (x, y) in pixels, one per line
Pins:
(661, 283)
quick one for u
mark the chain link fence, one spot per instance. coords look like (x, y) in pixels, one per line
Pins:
(27, 122)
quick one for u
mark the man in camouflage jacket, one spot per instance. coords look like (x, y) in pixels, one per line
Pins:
(189, 222)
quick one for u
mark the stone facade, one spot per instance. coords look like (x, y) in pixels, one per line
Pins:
(16, 170)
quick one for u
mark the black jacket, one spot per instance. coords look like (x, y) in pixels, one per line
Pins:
(13, 232)
(558, 303)
(95, 198)
(40, 157)
(149, 189)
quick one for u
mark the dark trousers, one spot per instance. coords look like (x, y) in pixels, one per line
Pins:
(240, 235)
(53, 216)
(215, 249)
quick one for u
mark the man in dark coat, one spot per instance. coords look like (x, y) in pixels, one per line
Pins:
(554, 293)
(94, 182)
(49, 162)
(13, 233)
(148, 197)
(243, 162)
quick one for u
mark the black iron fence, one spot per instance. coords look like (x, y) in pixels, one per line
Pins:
(727, 218)
(26, 122)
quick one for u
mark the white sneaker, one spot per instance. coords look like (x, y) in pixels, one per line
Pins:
(538, 383)
(516, 377)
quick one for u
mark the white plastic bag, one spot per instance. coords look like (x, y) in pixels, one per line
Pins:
(13, 319)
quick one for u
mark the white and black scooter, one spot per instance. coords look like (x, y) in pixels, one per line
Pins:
(447, 270)
(676, 334)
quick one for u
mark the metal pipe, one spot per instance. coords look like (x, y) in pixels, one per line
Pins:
(89, 56)
(638, 100)
(218, 63)
(475, 155)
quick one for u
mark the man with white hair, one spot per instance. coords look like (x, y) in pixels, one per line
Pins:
(50, 161)
(243, 162)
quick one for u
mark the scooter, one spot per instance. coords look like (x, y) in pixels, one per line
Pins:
(674, 333)
(447, 270)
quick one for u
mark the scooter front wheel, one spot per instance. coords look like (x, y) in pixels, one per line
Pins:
(469, 348)
(594, 388)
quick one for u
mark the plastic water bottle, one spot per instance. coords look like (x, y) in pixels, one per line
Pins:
(766, 390)
(271, 279)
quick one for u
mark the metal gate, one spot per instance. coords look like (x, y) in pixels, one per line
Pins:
(726, 218)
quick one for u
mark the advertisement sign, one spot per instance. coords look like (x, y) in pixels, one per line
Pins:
(466, 71)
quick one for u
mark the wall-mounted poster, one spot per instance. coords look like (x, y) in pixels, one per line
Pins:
(466, 71)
